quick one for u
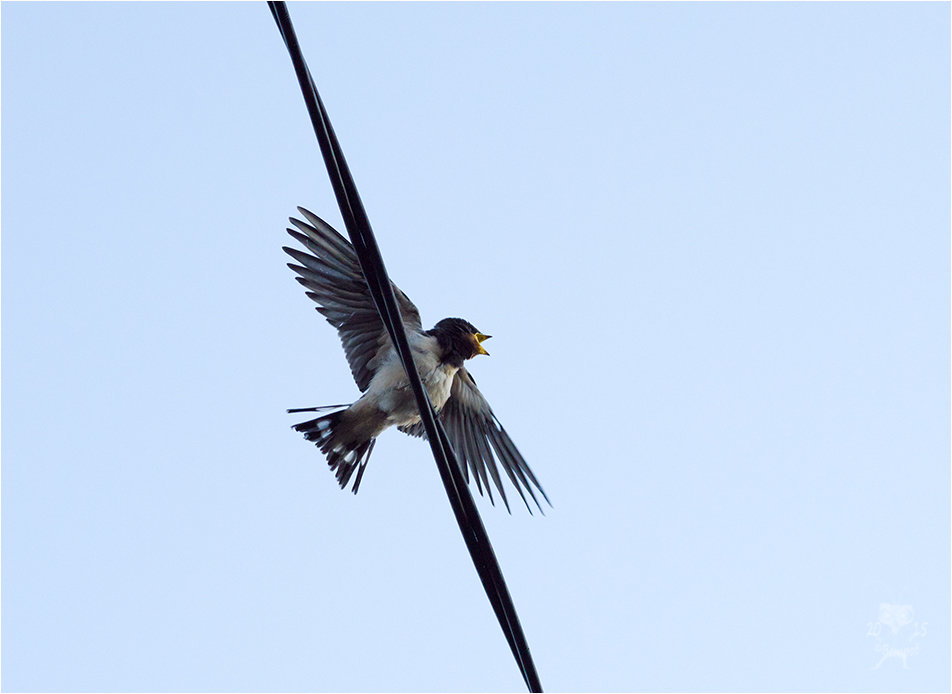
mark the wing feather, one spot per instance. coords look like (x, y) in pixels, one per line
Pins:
(467, 441)
(331, 274)
(477, 435)
(493, 436)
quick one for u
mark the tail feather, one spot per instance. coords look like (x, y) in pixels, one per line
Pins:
(360, 472)
(316, 409)
(344, 455)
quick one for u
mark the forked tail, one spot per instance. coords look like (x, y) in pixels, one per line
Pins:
(344, 454)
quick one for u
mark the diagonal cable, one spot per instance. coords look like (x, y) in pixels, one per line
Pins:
(371, 263)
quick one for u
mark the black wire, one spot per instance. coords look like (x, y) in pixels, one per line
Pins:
(371, 263)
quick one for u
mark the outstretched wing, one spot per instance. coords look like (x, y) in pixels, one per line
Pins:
(332, 276)
(476, 434)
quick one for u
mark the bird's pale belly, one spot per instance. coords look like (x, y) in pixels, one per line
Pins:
(390, 390)
(401, 406)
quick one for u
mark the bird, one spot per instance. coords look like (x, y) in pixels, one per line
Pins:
(330, 273)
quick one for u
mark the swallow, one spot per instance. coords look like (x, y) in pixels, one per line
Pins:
(331, 275)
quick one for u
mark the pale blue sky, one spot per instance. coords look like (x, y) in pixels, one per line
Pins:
(711, 242)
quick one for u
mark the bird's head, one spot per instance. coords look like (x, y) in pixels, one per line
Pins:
(459, 340)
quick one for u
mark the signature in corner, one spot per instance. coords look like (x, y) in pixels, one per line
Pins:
(898, 642)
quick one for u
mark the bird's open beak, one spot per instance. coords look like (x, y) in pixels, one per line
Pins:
(479, 339)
